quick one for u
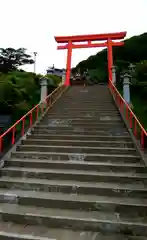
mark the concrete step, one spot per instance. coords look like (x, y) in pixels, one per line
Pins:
(75, 202)
(106, 97)
(91, 105)
(86, 109)
(93, 127)
(84, 114)
(81, 100)
(76, 220)
(87, 106)
(96, 97)
(93, 101)
(81, 137)
(81, 103)
(67, 174)
(9, 235)
(86, 92)
(77, 165)
(77, 156)
(101, 125)
(67, 122)
(82, 120)
(81, 131)
(86, 117)
(112, 189)
(76, 149)
(17, 236)
(71, 142)
(19, 232)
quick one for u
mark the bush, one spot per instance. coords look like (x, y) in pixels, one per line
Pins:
(20, 91)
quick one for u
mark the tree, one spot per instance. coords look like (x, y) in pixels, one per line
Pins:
(11, 59)
(19, 91)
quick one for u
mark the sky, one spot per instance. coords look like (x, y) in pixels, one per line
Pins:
(32, 24)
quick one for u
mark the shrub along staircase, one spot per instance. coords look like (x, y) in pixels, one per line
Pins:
(77, 175)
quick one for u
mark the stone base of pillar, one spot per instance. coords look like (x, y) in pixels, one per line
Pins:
(126, 88)
(43, 94)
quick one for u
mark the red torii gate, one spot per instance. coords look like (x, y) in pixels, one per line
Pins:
(70, 44)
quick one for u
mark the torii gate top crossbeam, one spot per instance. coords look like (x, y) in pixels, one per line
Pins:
(91, 37)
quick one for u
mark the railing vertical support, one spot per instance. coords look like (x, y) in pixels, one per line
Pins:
(131, 120)
(13, 135)
(142, 139)
(31, 120)
(1, 144)
(37, 113)
(68, 64)
(110, 59)
(23, 127)
(135, 128)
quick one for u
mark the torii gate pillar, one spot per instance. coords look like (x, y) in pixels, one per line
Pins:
(110, 59)
(68, 64)
(89, 39)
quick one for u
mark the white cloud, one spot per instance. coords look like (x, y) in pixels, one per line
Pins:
(34, 23)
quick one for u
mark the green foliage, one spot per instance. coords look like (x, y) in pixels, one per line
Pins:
(98, 74)
(11, 59)
(141, 71)
(20, 91)
(140, 106)
(139, 92)
(53, 79)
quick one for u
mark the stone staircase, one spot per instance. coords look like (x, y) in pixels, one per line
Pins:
(76, 176)
(78, 82)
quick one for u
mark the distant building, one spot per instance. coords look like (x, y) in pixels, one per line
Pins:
(56, 71)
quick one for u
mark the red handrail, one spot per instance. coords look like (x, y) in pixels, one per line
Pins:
(129, 115)
(42, 106)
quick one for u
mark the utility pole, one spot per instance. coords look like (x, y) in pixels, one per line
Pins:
(35, 54)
